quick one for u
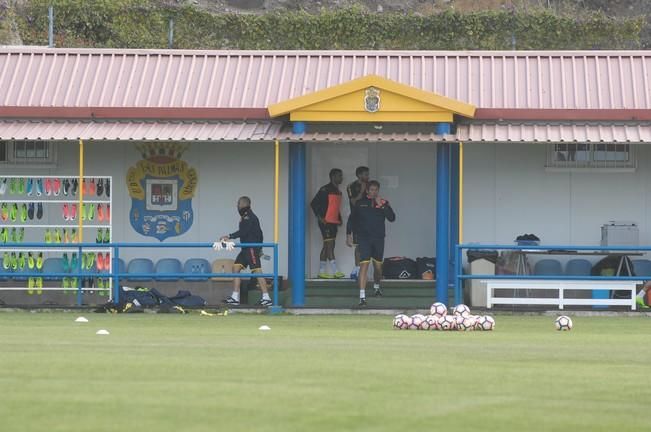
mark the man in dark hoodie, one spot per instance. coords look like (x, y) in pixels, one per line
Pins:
(249, 232)
(368, 222)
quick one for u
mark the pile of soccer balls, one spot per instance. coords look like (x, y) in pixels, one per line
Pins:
(461, 319)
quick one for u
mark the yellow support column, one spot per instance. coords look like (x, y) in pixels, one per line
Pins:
(276, 182)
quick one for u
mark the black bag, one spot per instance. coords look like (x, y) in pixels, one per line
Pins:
(475, 254)
(139, 296)
(425, 265)
(615, 265)
(399, 268)
(187, 299)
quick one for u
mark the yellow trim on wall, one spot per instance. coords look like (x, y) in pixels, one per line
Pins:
(398, 103)
(348, 116)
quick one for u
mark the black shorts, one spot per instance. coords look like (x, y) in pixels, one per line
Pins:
(371, 249)
(328, 231)
(249, 257)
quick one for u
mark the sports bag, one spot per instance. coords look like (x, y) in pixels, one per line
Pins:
(399, 268)
(426, 268)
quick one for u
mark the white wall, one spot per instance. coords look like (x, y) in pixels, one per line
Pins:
(407, 175)
(225, 172)
(508, 192)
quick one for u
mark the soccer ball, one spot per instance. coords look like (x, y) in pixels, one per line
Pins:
(461, 310)
(438, 309)
(448, 322)
(401, 322)
(466, 323)
(563, 323)
(426, 324)
(457, 319)
(434, 322)
(485, 323)
(416, 321)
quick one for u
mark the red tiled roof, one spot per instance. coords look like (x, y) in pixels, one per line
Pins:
(43, 77)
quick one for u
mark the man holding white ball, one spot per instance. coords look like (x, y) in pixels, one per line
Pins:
(249, 232)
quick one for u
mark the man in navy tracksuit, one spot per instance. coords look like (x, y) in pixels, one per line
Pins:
(249, 232)
(368, 223)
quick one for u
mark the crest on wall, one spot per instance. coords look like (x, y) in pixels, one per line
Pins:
(372, 100)
(161, 186)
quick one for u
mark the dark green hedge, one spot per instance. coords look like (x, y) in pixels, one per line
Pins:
(143, 24)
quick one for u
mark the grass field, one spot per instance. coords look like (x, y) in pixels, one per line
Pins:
(320, 373)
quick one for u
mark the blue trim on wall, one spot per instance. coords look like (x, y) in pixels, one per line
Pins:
(442, 220)
(297, 206)
(299, 127)
(442, 128)
(454, 204)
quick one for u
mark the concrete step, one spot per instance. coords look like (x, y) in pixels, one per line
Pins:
(353, 290)
(373, 302)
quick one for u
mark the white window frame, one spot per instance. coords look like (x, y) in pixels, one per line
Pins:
(590, 163)
(27, 161)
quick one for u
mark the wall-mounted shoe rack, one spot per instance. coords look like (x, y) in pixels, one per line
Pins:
(46, 209)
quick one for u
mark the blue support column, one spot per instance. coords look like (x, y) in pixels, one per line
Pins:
(290, 219)
(454, 205)
(297, 209)
(442, 221)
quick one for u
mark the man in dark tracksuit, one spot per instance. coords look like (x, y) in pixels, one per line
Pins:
(249, 232)
(326, 206)
(356, 191)
(368, 222)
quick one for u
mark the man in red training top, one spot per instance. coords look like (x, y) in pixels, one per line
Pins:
(326, 206)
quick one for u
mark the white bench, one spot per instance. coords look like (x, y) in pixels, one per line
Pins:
(561, 286)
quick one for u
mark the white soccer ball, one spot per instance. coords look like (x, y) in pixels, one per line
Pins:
(426, 324)
(416, 321)
(563, 323)
(448, 322)
(486, 323)
(434, 322)
(438, 309)
(401, 322)
(467, 323)
(461, 310)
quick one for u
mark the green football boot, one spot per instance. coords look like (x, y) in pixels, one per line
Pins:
(13, 212)
(6, 261)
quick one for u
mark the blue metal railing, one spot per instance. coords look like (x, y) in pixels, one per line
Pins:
(564, 250)
(115, 275)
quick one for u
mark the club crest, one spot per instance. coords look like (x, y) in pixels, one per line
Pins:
(161, 186)
(372, 100)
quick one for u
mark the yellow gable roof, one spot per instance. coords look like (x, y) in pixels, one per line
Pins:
(372, 99)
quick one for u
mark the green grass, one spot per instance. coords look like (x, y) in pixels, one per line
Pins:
(319, 373)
